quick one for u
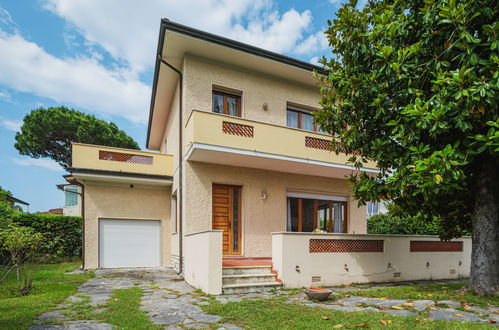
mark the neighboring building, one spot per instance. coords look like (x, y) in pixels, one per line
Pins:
(375, 208)
(52, 211)
(240, 167)
(15, 204)
(72, 200)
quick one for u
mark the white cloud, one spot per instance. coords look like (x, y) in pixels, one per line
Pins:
(128, 29)
(79, 81)
(40, 162)
(312, 44)
(12, 125)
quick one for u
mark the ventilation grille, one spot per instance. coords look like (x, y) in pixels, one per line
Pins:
(311, 142)
(125, 157)
(344, 245)
(316, 279)
(237, 129)
(436, 246)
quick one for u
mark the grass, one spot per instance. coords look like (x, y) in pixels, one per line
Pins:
(50, 287)
(435, 292)
(276, 314)
(123, 310)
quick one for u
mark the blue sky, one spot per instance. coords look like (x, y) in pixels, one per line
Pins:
(97, 56)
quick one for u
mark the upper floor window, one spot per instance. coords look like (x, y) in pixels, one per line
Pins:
(226, 103)
(71, 196)
(301, 118)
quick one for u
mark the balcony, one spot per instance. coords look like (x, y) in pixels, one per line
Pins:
(227, 140)
(99, 163)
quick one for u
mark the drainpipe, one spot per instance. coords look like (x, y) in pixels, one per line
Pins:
(180, 166)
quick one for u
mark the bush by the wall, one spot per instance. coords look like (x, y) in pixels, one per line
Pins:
(62, 234)
(404, 225)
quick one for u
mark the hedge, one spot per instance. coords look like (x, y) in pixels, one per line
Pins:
(62, 233)
(386, 224)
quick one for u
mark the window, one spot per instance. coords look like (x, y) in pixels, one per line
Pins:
(71, 196)
(226, 103)
(372, 209)
(173, 214)
(301, 118)
(306, 213)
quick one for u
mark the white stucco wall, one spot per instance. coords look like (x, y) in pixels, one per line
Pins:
(290, 251)
(203, 261)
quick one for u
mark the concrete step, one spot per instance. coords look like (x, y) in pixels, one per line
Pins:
(250, 287)
(240, 270)
(248, 278)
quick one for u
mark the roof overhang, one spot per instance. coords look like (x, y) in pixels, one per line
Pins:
(271, 162)
(176, 41)
(90, 176)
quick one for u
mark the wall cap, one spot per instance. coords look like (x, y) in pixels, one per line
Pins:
(204, 231)
(360, 235)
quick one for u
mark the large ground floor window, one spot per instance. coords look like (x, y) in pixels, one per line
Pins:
(306, 213)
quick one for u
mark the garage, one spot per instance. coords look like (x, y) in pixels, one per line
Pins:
(129, 243)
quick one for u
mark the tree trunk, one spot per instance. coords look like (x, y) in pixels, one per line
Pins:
(18, 276)
(484, 273)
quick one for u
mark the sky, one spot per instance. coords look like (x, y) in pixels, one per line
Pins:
(97, 56)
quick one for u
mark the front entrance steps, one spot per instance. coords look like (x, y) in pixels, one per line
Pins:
(245, 279)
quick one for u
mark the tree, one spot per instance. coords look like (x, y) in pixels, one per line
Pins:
(413, 86)
(22, 245)
(49, 133)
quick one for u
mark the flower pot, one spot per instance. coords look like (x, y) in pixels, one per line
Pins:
(319, 294)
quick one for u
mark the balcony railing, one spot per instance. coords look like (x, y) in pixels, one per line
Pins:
(96, 157)
(233, 132)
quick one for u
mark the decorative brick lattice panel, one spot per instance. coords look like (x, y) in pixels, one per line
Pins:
(124, 157)
(436, 246)
(237, 129)
(316, 143)
(344, 245)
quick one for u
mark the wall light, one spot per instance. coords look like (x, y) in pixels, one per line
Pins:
(264, 194)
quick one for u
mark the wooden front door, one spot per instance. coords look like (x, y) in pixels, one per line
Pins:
(227, 216)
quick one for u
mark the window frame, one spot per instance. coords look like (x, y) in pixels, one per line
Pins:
(226, 94)
(300, 111)
(315, 211)
(174, 214)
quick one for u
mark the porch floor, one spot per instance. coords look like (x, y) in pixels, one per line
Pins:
(242, 261)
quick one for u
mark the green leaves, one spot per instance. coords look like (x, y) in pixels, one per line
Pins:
(50, 132)
(417, 86)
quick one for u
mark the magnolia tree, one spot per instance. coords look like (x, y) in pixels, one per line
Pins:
(413, 86)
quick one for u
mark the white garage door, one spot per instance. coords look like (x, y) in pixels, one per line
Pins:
(129, 243)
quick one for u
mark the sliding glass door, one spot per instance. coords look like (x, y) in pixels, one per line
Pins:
(308, 214)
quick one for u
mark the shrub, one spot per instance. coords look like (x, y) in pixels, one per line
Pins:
(22, 245)
(406, 225)
(62, 233)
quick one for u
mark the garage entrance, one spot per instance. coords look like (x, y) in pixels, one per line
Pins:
(129, 243)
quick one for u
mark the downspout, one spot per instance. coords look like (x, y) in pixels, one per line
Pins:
(180, 166)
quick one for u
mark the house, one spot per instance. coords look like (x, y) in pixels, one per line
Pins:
(237, 179)
(53, 211)
(72, 199)
(15, 203)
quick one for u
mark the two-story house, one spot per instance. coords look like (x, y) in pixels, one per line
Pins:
(238, 158)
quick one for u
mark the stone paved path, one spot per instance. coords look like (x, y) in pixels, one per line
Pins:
(167, 299)
(173, 304)
(440, 310)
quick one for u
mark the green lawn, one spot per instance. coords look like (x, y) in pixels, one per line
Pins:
(435, 292)
(276, 314)
(50, 287)
(123, 310)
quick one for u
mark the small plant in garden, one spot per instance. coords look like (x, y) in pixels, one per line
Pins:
(21, 245)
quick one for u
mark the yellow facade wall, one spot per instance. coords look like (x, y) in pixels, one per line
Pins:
(259, 217)
(123, 202)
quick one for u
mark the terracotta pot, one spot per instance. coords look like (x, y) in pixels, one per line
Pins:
(319, 294)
